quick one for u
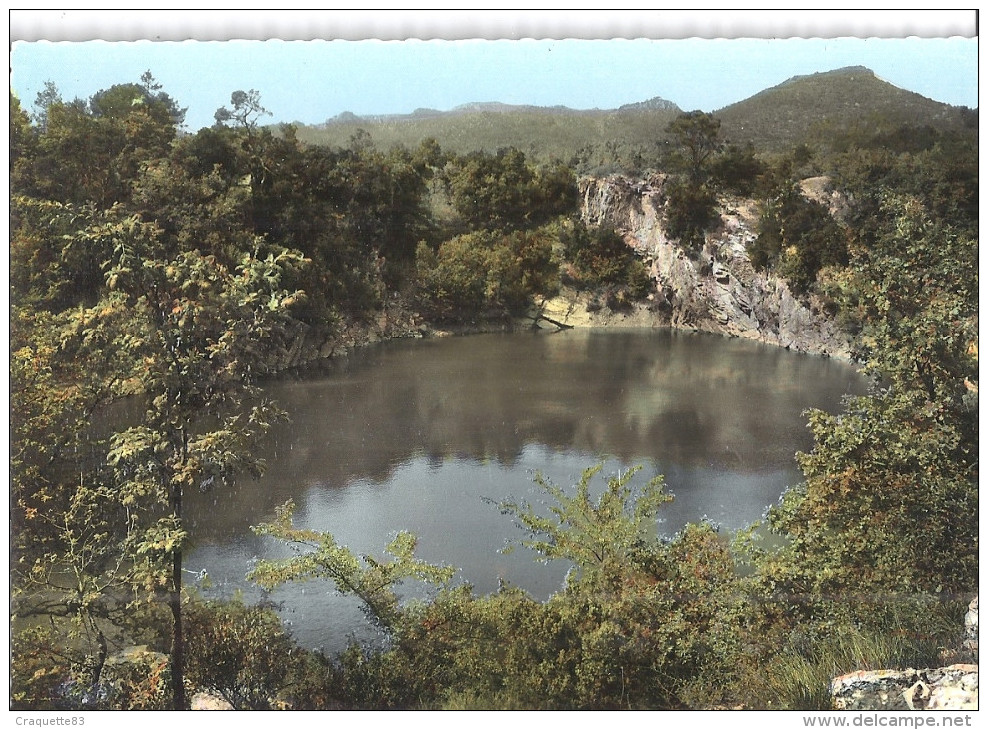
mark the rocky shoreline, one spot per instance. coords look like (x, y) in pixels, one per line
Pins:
(717, 291)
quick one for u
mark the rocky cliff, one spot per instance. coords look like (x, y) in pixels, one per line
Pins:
(717, 290)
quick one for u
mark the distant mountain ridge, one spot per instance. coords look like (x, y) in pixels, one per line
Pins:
(771, 120)
(496, 107)
(656, 103)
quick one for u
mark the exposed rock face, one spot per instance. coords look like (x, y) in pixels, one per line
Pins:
(717, 290)
(209, 700)
(971, 627)
(949, 688)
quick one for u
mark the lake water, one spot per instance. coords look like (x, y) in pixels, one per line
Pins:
(421, 435)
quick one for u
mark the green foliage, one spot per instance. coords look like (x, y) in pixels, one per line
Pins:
(243, 653)
(246, 112)
(737, 169)
(49, 267)
(798, 675)
(189, 335)
(601, 259)
(92, 153)
(320, 557)
(119, 101)
(691, 203)
(502, 192)
(356, 212)
(797, 237)
(638, 619)
(485, 275)
(885, 504)
(890, 497)
(22, 136)
(691, 210)
(697, 134)
(70, 525)
(942, 174)
(602, 536)
(494, 270)
(155, 278)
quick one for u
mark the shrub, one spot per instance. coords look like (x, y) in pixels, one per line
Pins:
(798, 237)
(691, 209)
(485, 274)
(737, 169)
(242, 652)
(601, 259)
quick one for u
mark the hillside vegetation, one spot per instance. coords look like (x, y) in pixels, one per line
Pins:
(803, 110)
(808, 109)
(166, 274)
(593, 137)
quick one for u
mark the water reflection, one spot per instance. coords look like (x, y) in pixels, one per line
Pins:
(413, 435)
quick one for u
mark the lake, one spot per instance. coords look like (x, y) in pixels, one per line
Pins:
(423, 435)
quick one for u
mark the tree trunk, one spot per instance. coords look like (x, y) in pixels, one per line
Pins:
(175, 599)
(178, 640)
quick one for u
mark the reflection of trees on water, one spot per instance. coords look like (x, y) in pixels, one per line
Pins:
(692, 401)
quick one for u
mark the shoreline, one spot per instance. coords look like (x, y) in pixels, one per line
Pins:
(571, 311)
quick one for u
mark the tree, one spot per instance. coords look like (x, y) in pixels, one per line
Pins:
(502, 192)
(205, 333)
(244, 117)
(242, 652)
(697, 134)
(602, 259)
(189, 335)
(121, 99)
(737, 169)
(890, 498)
(691, 203)
(797, 237)
(246, 112)
(91, 153)
(484, 274)
(43, 101)
(23, 140)
(72, 528)
(690, 210)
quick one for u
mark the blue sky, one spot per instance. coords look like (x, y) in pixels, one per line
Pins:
(310, 81)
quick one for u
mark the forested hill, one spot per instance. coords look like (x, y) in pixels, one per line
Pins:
(806, 108)
(802, 110)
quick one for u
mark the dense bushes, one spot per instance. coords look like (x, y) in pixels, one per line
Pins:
(691, 209)
(601, 259)
(639, 618)
(485, 275)
(797, 237)
(503, 192)
(242, 653)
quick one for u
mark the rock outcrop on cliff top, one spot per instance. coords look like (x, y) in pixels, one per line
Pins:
(717, 290)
